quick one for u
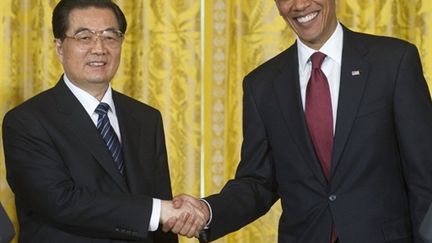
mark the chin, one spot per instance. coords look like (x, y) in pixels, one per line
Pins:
(98, 80)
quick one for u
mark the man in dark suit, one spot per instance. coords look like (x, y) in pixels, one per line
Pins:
(86, 163)
(7, 231)
(370, 180)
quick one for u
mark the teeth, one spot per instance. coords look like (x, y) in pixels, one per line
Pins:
(307, 18)
(97, 64)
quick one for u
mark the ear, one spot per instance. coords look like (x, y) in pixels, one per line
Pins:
(59, 49)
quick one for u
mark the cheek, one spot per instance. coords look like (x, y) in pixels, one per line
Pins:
(291, 23)
(116, 57)
(283, 8)
(77, 58)
(285, 12)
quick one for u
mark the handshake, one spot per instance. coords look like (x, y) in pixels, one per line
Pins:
(184, 215)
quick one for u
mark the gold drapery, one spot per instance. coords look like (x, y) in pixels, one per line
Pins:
(187, 58)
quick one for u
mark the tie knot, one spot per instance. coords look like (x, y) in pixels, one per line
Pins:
(102, 108)
(317, 59)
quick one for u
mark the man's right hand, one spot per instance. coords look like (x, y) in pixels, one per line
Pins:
(185, 215)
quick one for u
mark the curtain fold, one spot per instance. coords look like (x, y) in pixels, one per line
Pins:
(188, 58)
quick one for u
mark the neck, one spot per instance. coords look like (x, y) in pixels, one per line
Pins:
(96, 90)
(98, 93)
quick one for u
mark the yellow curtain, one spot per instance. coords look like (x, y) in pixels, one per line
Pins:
(187, 58)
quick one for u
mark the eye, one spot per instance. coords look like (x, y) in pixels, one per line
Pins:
(110, 36)
(84, 36)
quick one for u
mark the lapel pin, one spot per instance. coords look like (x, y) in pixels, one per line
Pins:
(355, 73)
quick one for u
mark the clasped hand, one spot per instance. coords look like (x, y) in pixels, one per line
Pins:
(184, 215)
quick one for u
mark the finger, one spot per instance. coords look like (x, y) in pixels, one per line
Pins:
(197, 227)
(192, 231)
(195, 231)
(197, 234)
(180, 223)
(167, 226)
(200, 218)
(200, 223)
(189, 227)
(195, 223)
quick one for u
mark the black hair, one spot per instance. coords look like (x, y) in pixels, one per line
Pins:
(60, 17)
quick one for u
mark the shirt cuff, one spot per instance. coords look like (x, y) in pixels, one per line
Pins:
(155, 216)
(210, 215)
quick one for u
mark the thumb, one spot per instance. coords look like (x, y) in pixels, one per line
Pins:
(177, 202)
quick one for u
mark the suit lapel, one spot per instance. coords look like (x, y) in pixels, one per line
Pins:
(287, 89)
(130, 132)
(79, 123)
(354, 73)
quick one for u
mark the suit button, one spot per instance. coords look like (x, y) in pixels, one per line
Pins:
(332, 198)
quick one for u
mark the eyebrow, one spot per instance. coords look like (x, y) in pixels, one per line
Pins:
(87, 29)
(80, 30)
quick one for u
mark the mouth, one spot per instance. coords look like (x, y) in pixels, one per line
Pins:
(307, 18)
(96, 63)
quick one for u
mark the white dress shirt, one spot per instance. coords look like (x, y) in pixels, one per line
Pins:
(331, 66)
(90, 103)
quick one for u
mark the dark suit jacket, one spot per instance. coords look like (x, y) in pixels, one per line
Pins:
(66, 186)
(7, 231)
(381, 172)
(426, 226)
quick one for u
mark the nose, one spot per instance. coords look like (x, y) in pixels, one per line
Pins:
(300, 5)
(98, 47)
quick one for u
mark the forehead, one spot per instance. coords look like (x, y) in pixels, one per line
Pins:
(92, 18)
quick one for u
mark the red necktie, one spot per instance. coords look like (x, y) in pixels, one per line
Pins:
(318, 113)
(319, 118)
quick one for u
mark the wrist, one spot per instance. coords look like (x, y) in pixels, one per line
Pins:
(165, 211)
(207, 211)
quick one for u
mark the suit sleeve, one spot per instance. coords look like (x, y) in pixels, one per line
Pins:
(7, 231)
(163, 180)
(413, 117)
(253, 191)
(41, 180)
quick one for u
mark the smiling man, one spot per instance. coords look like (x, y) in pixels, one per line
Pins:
(87, 163)
(339, 128)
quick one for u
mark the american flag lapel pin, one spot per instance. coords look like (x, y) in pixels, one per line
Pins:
(355, 73)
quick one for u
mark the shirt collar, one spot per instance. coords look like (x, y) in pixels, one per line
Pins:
(332, 48)
(88, 101)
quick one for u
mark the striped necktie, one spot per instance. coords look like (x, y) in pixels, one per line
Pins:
(109, 136)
